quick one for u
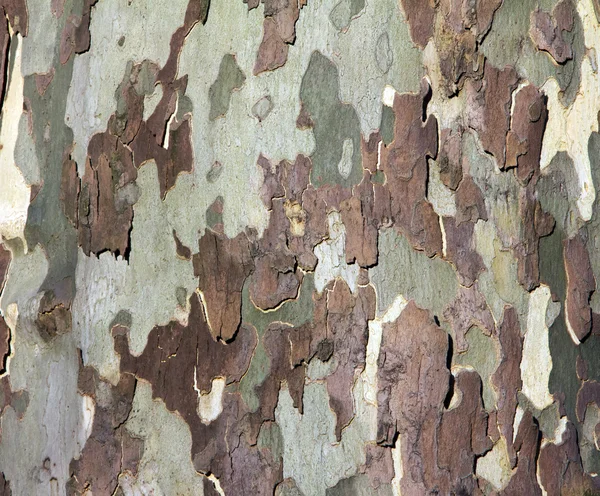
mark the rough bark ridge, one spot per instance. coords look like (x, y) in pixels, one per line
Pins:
(299, 247)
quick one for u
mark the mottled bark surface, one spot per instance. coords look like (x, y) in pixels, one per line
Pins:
(299, 247)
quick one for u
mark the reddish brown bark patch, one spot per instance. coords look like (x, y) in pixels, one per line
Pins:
(524, 140)
(42, 81)
(413, 382)
(276, 277)
(546, 31)
(360, 220)
(461, 252)
(4, 344)
(105, 207)
(127, 119)
(462, 436)
(4, 486)
(526, 445)
(222, 266)
(347, 329)
(420, 17)
(404, 163)
(4, 51)
(305, 208)
(470, 204)
(181, 361)
(459, 28)
(16, 11)
(182, 251)
(75, 37)
(536, 224)
(581, 283)
(379, 465)
(450, 158)
(589, 393)
(18, 400)
(69, 188)
(54, 316)
(491, 101)
(507, 377)
(469, 308)
(560, 469)
(171, 161)
(110, 449)
(149, 140)
(278, 340)
(279, 31)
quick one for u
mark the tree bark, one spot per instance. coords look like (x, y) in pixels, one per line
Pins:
(299, 247)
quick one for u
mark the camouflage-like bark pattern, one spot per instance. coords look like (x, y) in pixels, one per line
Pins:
(299, 247)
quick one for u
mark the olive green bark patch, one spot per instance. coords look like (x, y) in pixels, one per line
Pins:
(509, 43)
(388, 121)
(46, 217)
(378, 177)
(344, 11)
(123, 318)
(336, 126)
(593, 226)
(590, 456)
(590, 351)
(230, 78)
(270, 438)
(482, 355)
(295, 312)
(552, 270)
(431, 282)
(358, 485)
(214, 213)
(558, 190)
(184, 106)
(563, 378)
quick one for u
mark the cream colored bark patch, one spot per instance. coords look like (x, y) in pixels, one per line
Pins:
(398, 472)
(494, 467)
(332, 258)
(311, 455)
(447, 111)
(569, 128)
(210, 405)
(442, 198)
(88, 409)
(166, 466)
(345, 165)
(14, 192)
(369, 375)
(151, 101)
(536, 364)
(389, 93)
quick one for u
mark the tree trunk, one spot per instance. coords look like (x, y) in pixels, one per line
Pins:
(299, 247)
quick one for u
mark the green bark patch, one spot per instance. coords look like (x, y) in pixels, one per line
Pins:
(230, 78)
(295, 312)
(431, 282)
(342, 14)
(482, 355)
(388, 121)
(335, 125)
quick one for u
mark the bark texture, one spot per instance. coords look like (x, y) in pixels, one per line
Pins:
(299, 247)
